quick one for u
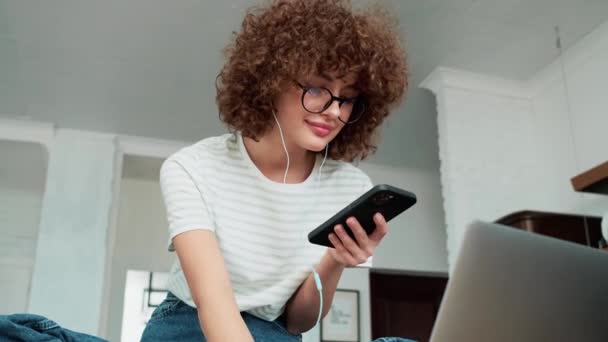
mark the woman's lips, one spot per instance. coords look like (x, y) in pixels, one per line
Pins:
(319, 129)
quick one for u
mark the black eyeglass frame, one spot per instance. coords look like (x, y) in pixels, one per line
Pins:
(333, 98)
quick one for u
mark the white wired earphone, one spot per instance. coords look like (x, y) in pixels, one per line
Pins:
(314, 271)
(287, 153)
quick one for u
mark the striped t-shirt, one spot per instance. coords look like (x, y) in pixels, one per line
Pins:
(261, 225)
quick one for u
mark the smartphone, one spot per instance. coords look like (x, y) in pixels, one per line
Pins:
(385, 199)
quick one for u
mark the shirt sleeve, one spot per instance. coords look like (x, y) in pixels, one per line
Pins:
(367, 184)
(184, 202)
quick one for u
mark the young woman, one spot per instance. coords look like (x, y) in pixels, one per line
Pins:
(304, 89)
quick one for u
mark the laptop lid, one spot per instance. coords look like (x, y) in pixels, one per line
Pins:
(512, 285)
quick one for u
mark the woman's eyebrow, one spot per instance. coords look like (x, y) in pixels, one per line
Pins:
(328, 78)
(349, 89)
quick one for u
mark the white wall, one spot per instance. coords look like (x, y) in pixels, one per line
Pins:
(19, 215)
(141, 240)
(416, 238)
(586, 72)
(22, 177)
(508, 146)
(68, 277)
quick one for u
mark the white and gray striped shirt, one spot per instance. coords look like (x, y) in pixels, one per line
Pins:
(261, 225)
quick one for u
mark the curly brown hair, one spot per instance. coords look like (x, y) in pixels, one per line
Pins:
(290, 39)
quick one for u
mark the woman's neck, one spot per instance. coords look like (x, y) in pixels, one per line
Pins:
(269, 157)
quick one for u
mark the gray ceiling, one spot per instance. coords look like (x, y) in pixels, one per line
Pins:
(147, 67)
(508, 38)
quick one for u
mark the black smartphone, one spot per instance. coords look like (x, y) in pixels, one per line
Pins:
(388, 200)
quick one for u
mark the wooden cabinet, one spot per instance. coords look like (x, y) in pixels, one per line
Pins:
(585, 230)
(405, 304)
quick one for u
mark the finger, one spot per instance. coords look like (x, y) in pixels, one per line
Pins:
(361, 236)
(347, 241)
(341, 250)
(358, 230)
(351, 246)
(381, 228)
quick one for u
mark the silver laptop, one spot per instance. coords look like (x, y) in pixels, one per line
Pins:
(512, 285)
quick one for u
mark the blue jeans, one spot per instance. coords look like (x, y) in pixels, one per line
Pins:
(174, 320)
(35, 328)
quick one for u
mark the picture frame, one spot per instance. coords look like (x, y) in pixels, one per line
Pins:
(154, 293)
(342, 322)
(154, 297)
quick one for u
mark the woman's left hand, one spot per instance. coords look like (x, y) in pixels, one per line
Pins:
(349, 252)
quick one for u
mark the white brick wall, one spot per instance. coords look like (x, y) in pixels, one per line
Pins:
(508, 145)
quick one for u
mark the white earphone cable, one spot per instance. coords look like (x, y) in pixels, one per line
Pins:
(284, 147)
(316, 276)
(321, 167)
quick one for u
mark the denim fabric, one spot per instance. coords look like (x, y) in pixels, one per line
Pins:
(35, 328)
(174, 320)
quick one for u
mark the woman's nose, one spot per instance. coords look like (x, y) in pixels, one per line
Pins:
(333, 109)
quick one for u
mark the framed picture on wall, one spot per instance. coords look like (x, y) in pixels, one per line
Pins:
(341, 324)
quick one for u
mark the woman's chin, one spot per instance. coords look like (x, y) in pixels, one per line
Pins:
(316, 147)
(316, 144)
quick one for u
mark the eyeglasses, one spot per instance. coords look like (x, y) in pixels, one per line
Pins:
(317, 99)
